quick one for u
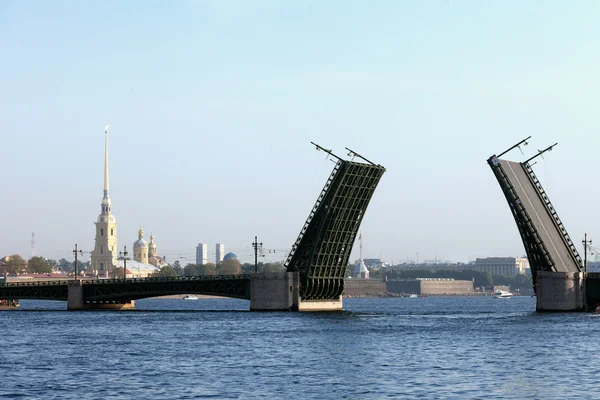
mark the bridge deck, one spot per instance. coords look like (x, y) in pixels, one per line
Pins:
(542, 220)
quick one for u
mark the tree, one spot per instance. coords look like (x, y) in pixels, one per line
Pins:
(207, 269)
(190, 270)
(65, 265)
(229, 267)
(177, 268)
(14, 265)
(38, 265)
(270, 267)
(168, 271)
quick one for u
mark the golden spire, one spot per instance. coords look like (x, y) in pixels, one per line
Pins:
(106, 161)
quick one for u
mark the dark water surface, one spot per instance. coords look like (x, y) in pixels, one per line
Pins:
(453, 347)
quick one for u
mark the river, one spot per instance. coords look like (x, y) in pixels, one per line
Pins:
(384, 348)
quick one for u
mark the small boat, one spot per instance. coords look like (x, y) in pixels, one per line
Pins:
(414, 296)
(503, 295)
(190, 297)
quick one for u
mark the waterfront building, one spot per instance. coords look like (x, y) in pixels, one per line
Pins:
(202, 254)
(498, 265)
(220, 253)
(104, 254)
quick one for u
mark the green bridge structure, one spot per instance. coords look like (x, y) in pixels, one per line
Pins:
(315, 268)
(559, 276)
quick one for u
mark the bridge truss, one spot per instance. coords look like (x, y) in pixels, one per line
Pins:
(322, 250)
(546, 241)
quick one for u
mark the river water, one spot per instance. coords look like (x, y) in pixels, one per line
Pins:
(388, 348)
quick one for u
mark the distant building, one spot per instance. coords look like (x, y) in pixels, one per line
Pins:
(136, 269)
(140, 248)
(153, 257)
(220, 252)
(374, 263)
(593, 266)
(202, 254)
(229, 256)
(523, 265)
(104, 255)
(506, 266)
(360, 270)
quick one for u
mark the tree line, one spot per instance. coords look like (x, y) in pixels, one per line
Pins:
(228, 267)
(15, 264)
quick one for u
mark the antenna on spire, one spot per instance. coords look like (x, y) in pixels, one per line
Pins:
(32, 250)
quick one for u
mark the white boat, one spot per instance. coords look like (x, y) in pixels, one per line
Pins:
(503, 295)
(190, 297)
(414, 296)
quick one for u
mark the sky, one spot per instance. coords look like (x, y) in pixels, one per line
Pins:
(212, 106)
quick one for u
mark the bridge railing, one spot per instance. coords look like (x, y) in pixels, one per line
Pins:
(149, 279)
(168, 279)
(37, 283)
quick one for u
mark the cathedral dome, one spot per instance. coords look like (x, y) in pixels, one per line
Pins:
(140, 243)
(229, 256)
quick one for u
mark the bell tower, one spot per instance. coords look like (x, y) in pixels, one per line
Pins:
(104, 255)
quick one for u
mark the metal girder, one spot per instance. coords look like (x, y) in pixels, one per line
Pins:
(322, 250)
(33, 290)
(237, 286)
(562, 255)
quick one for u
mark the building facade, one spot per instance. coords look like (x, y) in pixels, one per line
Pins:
(202, 254)
(104, 255)
(220, 253)
(140, 248)
(153, 257)
(506, 266)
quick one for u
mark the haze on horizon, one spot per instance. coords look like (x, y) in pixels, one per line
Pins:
(212, 106)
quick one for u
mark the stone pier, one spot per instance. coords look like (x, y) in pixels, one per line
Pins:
(280, 291)
(75, 300)
(560, 291)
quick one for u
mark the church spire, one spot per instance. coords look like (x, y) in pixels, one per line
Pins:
(105, 200)
(106, 161)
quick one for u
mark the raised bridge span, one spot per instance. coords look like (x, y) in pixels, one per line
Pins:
(315, 267)
(546, 241)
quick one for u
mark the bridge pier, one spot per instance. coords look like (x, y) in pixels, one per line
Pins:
(280, 291)
(560, 291)
(75, 300)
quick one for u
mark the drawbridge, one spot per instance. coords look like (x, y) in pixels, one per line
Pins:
(547, 243)
(321, 253)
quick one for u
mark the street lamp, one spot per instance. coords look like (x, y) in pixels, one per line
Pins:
(124, 255)
(76, 252)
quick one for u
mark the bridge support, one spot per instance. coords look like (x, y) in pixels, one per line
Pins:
(280, 291)
(75, 300)
(560, 291)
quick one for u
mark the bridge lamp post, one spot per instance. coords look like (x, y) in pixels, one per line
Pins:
(76, 252)
(124, 255)
(585, 243)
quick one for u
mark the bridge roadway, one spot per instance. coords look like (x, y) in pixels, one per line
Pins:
(120, 291)
(541, 218)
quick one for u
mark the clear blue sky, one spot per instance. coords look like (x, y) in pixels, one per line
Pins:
(212, 105)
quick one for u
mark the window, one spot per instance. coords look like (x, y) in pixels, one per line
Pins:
(101, 249)
(111, 232)
(101, 232)
(101, 265)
